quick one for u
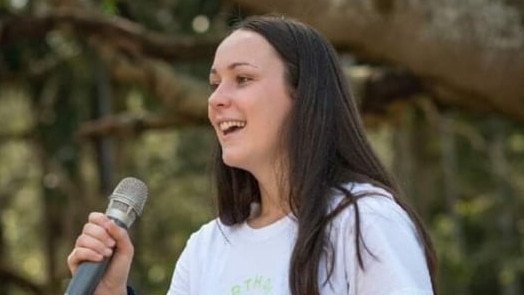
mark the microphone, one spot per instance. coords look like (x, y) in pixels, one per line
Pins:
(125, 204)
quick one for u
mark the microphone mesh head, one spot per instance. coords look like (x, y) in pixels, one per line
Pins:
(131, 191)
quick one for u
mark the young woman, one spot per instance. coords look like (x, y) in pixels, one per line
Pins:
(304, 205)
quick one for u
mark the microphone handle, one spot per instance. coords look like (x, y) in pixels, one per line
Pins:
(88, 274)
(87, 277)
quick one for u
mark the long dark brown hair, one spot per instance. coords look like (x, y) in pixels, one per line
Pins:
(326, 147)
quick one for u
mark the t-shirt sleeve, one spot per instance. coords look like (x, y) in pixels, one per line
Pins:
(393, 257)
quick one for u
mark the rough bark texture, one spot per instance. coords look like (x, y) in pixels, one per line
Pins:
(469, 53)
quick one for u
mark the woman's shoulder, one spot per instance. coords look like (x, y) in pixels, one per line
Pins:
(393, 249)
(372, 203)
(210, 233)
(369, 198)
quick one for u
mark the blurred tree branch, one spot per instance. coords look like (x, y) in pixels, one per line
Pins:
(184, 97)
(138, 56)
(472, 57)
(128, 125)
(481, 78)
(129, 36)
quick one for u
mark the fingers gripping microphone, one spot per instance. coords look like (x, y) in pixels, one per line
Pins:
(125, 204)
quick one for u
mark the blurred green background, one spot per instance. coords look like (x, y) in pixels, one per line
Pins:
(92, 91)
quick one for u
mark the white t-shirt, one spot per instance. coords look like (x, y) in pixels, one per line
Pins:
(240, 260)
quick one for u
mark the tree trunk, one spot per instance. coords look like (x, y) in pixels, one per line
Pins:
(469, 53)
(506, 223)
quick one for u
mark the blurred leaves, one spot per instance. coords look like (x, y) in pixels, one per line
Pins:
(109, 7)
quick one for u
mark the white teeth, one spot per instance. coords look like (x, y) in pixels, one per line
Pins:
(226, 125)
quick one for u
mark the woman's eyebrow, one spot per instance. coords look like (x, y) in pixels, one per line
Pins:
(234, 65)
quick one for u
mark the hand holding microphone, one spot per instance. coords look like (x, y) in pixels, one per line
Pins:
(103, 252)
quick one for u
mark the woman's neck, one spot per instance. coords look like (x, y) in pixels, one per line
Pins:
(273, 203)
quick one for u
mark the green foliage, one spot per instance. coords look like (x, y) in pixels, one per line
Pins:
(109, 7)
(174, 165)
(477, 226)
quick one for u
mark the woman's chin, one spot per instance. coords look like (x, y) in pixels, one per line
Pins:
(231, 161)
(235, 161)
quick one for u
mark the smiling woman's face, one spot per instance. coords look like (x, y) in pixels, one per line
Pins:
(250, 101)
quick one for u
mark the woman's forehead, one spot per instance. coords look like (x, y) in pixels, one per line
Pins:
(244, 46)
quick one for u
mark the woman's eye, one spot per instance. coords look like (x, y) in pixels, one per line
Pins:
(213, 85)
(242, 79)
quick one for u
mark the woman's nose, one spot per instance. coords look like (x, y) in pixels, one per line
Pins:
(220, 97)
